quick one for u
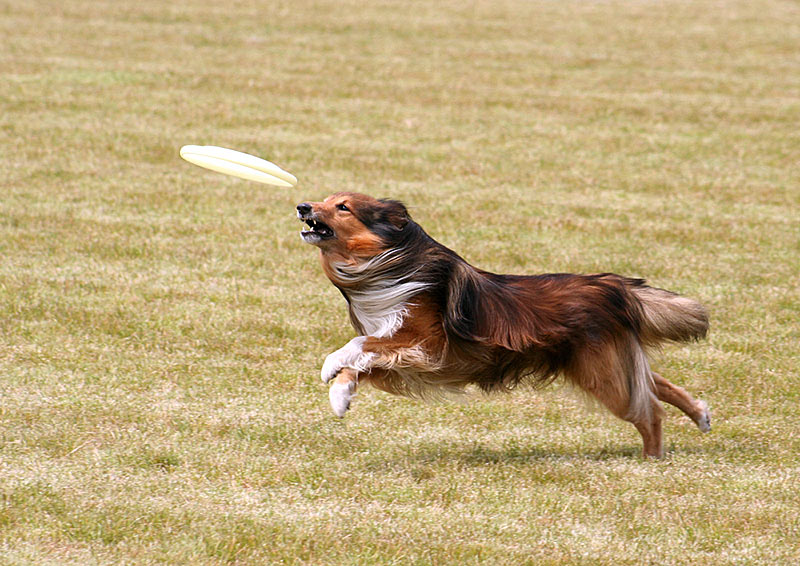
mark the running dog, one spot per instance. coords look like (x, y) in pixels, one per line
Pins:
(429, 323)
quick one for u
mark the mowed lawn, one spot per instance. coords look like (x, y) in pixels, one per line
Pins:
(162, 327)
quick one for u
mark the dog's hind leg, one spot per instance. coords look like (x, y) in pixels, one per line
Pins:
(604, 373)
(651, 435)
(695, 409)
(648, 423)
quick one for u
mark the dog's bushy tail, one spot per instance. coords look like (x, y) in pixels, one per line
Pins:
(665, 316)
(669, 316)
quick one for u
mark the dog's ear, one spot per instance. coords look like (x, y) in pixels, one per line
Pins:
(384, 215)
(479, 309)
(394, 213)
(386, 218)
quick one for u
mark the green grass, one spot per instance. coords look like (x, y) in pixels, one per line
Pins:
(162, 327)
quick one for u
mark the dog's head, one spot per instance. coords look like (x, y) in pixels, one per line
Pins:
(353, 225)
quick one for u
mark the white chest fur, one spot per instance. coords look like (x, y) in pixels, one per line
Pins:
(379, 308)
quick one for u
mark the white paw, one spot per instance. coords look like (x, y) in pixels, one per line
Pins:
(340, 395)
(349, 355)
(331, 367)
(704, 421)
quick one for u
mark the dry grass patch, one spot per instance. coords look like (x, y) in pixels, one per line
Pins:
(161, 327)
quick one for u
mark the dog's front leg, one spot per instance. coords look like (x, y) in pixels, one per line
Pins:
(369, 358)
(343, 390)
(351, 355)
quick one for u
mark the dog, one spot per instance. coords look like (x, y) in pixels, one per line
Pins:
(430, 324)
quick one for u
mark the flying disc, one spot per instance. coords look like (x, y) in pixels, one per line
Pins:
(238, 164)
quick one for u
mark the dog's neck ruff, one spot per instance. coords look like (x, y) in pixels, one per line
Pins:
(379, 291)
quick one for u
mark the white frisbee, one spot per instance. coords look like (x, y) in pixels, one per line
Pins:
(238, 164)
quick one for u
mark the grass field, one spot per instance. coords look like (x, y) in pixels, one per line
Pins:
(162, 327)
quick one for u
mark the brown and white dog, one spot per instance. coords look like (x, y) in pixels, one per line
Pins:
(429, 323)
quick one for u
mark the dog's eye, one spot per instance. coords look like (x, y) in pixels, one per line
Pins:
(343, 207)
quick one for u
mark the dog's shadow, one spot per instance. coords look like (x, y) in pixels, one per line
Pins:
(424, 460)
(474, 455)
(479, 455)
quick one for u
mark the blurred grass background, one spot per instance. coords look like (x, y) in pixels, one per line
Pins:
(162, 327)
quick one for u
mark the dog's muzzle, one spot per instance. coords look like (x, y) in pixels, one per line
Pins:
(318, 230)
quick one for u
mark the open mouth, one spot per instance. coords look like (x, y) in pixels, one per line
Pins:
(317, 231)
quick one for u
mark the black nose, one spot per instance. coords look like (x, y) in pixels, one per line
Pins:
(303, 208)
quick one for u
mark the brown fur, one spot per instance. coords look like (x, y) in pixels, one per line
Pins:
(433, 323)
